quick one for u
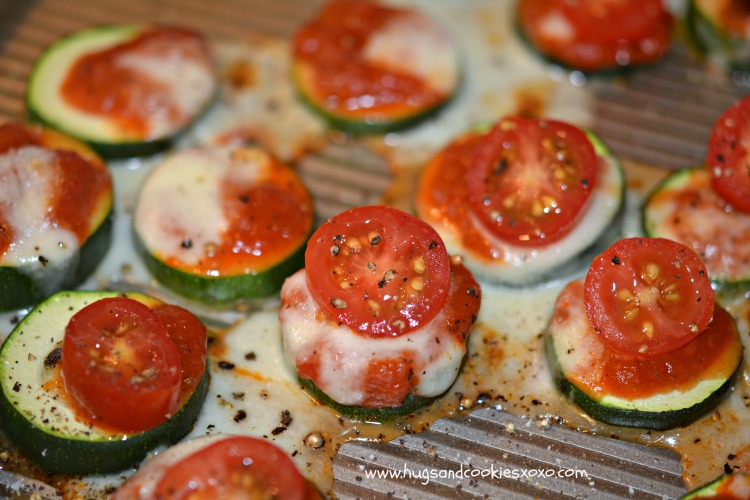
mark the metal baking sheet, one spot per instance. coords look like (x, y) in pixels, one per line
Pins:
(673, 104)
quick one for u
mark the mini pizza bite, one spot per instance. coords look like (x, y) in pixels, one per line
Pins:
(719, 30)
(521, 200)
(640, 342)
(127, 90)
(56, 202)
(708, 209)
(596, 35)
(376, 324)
(106, 378)
(223, 224)
(219, 466)
(371, 68)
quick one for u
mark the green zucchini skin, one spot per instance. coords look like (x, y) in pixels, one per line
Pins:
(658, 421)
(50, 448)
(357, 127)
(222, 290)
(115, 148)
(18, 289)
(410, 405)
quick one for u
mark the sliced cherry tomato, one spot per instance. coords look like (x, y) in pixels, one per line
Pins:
(648, 296)
(119, 365)
(531, 179)
(592, 35)
(728, 158)
(378, 270)
(189, 336)
(235, 467)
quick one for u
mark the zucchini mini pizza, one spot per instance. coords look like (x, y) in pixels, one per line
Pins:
(371, 68)
(219, 466)
(708, 209)
(595, 35)
(92, 381)
(640, 342)
(223, 224)
(127, 90)
(55, 213)
(522, 200)
(376, 324)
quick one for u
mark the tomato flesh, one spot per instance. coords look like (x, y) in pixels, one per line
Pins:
(728, 158)
(378, 270)
(235, 467)
(592, 35)
(531, 180)
(648, 296)
(119, 365)
(189, 336)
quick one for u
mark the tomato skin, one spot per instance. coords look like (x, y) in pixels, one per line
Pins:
(119, 365)
(728, 159)
(235, 467)
(378, 270)
(648, 296)
(593, 35)
(531, 179)
(189, 336)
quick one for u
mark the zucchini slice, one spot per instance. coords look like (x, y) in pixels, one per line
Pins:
(665, 391)
(367, 68)
(717, 31)
(411, 404)
(511, 264)
(36, 417)
(220, 225)
(126, 90)
(727, 486)
(685, 208)
(48, 243)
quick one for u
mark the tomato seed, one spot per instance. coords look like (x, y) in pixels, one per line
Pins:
(338, 303)
(651, 273)
(419, 265)
(648, 329)
(417, 283)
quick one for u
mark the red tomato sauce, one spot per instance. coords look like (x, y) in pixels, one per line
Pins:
(443, 195)
(332, 47)
(267, 222)
(98, 82)
(79, 184)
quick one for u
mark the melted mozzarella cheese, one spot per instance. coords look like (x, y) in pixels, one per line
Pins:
(344, 356)
(191, 83)
(27, 187)
(181, 199)
(415, 45)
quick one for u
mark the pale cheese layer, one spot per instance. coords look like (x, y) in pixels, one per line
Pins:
(413, 44)
(181, 200)
(27, 188)
(344, 355)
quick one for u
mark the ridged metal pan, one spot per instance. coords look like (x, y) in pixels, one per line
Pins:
(659, 116)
